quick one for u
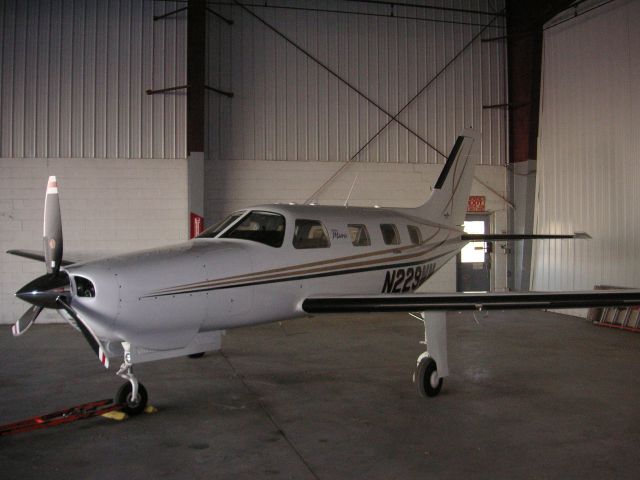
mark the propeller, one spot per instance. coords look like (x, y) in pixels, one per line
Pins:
(26, 320)
(52, 229)
(53, 290)
(43, 291)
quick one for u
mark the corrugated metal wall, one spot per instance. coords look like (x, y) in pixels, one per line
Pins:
(74, 75)
(287, 107)
(589, 150)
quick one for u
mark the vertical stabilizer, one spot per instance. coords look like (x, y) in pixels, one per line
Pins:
(448, 201)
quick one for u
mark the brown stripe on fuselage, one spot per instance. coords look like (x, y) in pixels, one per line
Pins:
(323, 267)
(294, 268)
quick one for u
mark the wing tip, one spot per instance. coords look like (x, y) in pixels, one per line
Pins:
(582, 236)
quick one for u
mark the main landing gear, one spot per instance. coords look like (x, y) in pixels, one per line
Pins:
(131, 395)
(432, 365)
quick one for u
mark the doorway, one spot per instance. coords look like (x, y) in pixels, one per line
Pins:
(473, 266)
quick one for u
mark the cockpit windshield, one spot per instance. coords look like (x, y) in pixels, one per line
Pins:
(215, 230)
(258, 226)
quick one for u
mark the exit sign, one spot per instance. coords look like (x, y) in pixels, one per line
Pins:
(476, 203)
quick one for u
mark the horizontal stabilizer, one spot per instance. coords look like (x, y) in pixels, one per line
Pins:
(470, 301)
(496, 237)
(36, 255)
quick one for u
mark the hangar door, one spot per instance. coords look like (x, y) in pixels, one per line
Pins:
(473, 266)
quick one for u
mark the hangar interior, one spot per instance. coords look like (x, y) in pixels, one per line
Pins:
(152, 112)
(316, 86)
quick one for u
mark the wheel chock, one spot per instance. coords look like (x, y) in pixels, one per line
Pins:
(150, 409)
(116, 415)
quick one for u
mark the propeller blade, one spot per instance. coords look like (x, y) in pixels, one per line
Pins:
(88, 334)
(37, 255)
(26, 320)
(52, 230)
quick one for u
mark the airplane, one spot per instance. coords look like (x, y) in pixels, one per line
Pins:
(276, 262)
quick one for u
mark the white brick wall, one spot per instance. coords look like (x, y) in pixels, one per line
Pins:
(235, 184)
(108, 206)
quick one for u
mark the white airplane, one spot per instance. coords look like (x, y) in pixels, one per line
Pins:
(276, 262)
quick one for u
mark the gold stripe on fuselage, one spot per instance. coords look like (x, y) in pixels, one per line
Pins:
(304, 269)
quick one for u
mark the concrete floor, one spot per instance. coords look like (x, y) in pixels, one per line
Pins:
(531, 395)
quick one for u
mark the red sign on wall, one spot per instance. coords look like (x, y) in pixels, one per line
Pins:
(476, 203)
(196, 225)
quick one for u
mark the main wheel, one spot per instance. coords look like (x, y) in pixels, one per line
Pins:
(426, 378)
(129, 406)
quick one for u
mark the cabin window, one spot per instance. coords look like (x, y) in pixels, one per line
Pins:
(261, 227)
(414, 234)
(359, 235)
(390, 234)
(310, 234)
(215, 230)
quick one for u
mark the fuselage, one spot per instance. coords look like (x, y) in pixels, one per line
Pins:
(256, 267)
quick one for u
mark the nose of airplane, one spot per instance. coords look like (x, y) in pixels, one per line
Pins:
(95, 295)
(45, 290)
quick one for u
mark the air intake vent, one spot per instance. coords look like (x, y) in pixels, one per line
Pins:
(84, 287)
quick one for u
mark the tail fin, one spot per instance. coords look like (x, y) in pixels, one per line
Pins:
(448, 201)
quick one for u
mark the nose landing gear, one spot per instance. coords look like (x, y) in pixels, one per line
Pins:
(131, 395)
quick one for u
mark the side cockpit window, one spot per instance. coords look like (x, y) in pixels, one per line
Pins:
(390, 234)
(261, 227)
(310, 234)
(414, 234)
(359, 235)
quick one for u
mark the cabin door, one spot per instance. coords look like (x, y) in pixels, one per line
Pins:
(473, 267)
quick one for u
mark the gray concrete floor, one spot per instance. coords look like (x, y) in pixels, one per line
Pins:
(531, 395)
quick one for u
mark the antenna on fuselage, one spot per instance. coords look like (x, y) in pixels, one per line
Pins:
(346, 202)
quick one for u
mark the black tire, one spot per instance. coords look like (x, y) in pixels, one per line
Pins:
(196, 355)
(123, 397)
(425, 377)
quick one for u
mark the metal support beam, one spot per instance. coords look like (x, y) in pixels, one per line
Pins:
(181, 87)
(168, 89)
(211, 11)
(497, 105)
(217, 15)
(160, 17)
(525, 19)
(221, 92)
(425, 7)
(336, 75)
(196, 45)
(494, 39)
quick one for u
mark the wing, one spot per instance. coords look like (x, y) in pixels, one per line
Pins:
(489, 237)
(37, 255)
(416, 302)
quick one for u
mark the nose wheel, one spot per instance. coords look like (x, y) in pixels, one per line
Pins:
(132, 406)
(132, 395)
